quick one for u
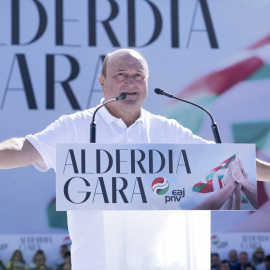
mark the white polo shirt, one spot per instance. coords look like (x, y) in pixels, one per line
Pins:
(86, 228)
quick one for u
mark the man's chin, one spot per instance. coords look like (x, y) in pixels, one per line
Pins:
(130, 102)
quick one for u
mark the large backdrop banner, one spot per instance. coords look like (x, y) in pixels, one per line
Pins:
(215, 53)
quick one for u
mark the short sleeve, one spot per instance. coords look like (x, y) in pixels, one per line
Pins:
(46, 140)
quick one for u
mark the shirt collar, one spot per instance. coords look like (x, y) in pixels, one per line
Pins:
(108, 118)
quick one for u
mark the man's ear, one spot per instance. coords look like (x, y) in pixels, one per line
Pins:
(101, 81)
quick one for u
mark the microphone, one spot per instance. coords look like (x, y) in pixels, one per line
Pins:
(93, 123)
(214, 124)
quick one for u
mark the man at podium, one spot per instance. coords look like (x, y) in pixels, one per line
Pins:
(124, 121)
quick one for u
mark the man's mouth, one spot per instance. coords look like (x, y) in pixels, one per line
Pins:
(130, 93)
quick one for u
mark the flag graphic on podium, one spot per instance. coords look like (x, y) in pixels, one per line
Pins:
(213, 180)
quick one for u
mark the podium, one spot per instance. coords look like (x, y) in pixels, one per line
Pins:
(152, 176)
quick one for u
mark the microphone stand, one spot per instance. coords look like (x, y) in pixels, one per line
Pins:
(213, 125)
(93, 123)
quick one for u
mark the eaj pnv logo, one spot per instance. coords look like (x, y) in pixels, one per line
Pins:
(160, 186)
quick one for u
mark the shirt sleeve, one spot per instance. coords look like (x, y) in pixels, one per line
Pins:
(46, 140)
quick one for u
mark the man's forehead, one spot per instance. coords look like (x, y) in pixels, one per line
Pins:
(127, 67)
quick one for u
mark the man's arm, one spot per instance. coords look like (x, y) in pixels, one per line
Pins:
(17, 152)
(263, 170)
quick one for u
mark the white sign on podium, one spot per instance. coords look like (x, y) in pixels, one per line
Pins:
(156, 177)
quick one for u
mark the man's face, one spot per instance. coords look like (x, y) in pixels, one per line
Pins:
(233, 256)
(225, 266)
(39, 259)
(214, 260)
(243, 259)
(126, 73)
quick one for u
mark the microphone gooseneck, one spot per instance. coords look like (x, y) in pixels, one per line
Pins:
(93, 123)
(214, 124)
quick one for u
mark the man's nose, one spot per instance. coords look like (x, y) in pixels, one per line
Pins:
(130, 80)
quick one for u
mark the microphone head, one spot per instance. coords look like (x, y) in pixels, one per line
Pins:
(122, 96)
(158, 91)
